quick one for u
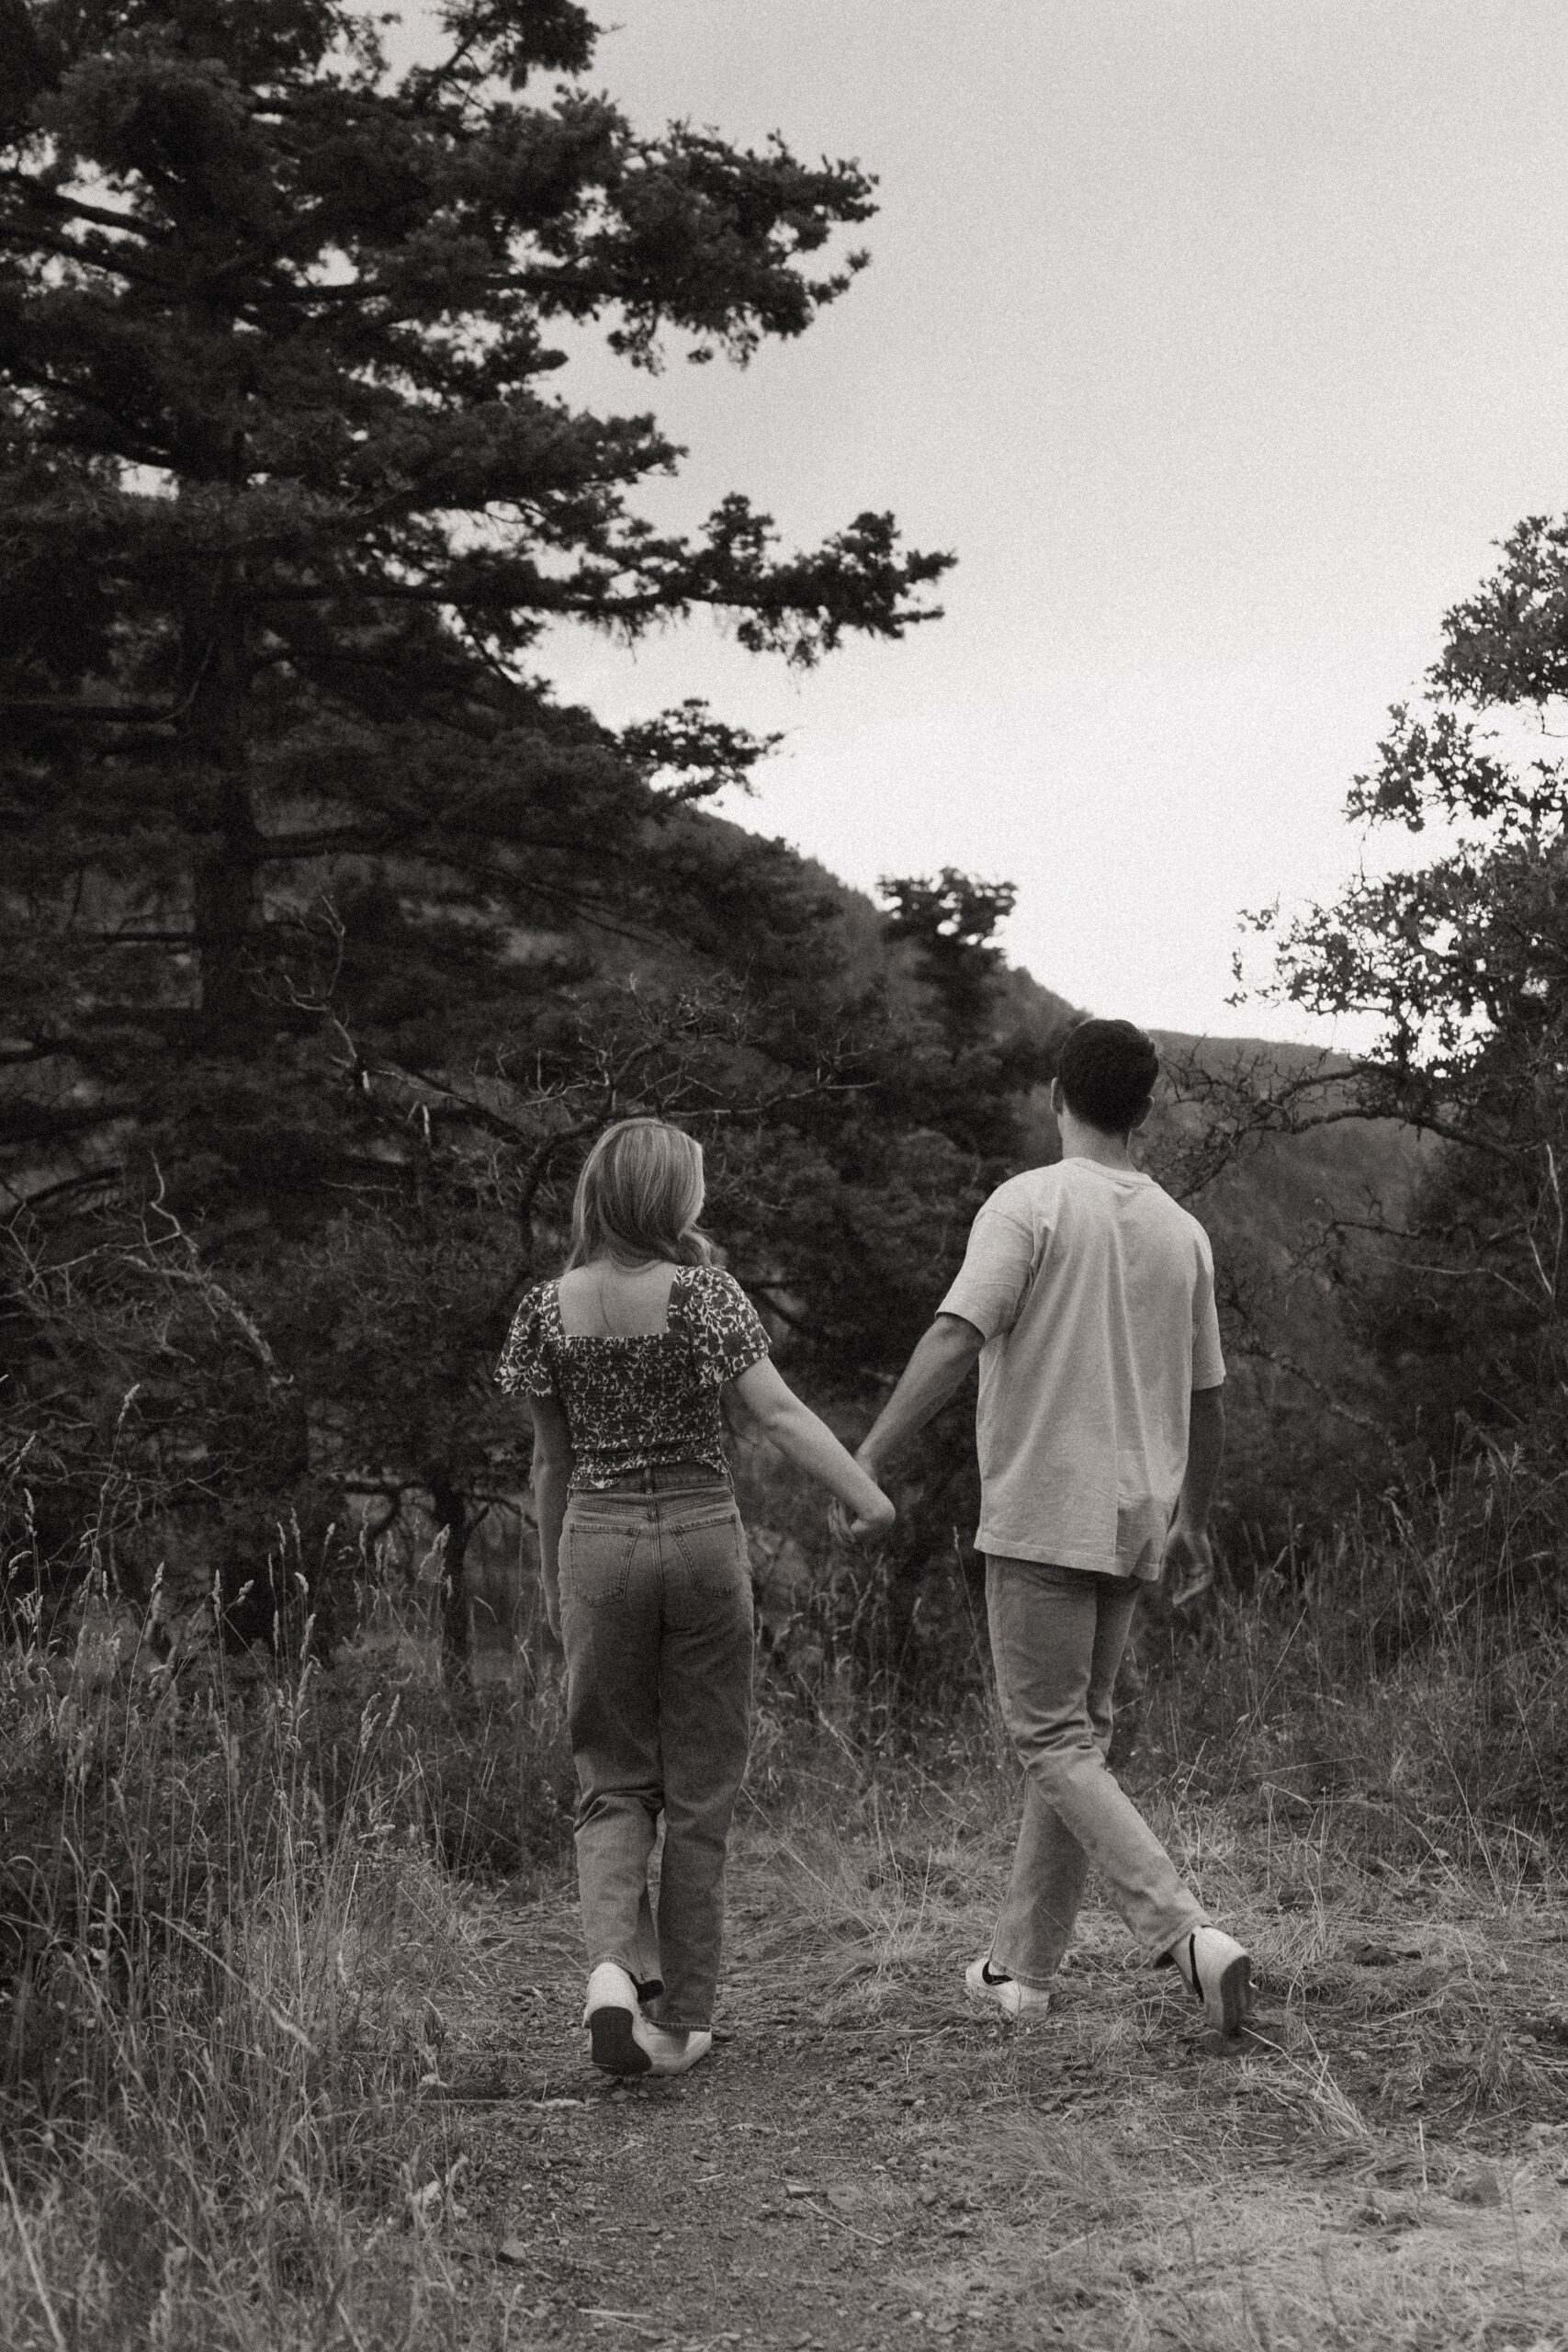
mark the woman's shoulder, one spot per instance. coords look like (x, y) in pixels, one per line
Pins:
(537, 1303)
(537, 1324)
(708, 1287)
(721, 1319)
(716, 1303)
(525, 1358)
(574, 1279)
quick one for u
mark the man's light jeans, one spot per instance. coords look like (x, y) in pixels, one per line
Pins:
(1057, 1636)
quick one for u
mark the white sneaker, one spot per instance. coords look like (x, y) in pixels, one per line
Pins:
(666, 2051)
(1013, 1999)
(610, 2015)
(1219, 1972)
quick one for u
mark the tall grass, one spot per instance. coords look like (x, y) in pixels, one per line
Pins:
(231, 1926)
(234, 1918)
(1406, 1679)
(1390, 1707)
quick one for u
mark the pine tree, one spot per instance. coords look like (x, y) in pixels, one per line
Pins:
(300, 841)
(289, 499)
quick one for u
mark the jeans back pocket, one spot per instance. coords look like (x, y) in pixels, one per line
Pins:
(596, 1559)
(711, 1546)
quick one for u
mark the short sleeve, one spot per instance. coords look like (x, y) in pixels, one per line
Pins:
(1208, 1358)
(525, 1367)
(996, 1273)
(727, 1334)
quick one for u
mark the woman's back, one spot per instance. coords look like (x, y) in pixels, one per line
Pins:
(637, 1361)
(606, 1300)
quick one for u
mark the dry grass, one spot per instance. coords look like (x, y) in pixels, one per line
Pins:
(1361, 1778)
(230, 1964)
(1152, 2241)
(1405, 1688)
(255, 2006)
(1384, 2163)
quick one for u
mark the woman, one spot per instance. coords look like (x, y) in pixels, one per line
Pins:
(627, 1362)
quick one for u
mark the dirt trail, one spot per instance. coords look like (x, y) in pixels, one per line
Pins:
(866, 2162)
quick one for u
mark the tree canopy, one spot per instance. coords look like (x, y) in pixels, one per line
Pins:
(289, 499)
(1461, 960)
(334, 933)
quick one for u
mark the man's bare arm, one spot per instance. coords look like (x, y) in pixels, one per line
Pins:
(933, 1375)
(1187, 1546)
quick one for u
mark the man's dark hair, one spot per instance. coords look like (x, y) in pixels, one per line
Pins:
(1108, 1071)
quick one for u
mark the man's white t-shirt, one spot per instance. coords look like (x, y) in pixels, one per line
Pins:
(1094, 1293)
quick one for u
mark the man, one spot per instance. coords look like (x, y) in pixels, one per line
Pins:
(1089, 1297)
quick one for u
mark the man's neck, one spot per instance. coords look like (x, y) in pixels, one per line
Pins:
(1080, 1141)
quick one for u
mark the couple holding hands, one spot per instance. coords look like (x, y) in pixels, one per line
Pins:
(1087, 1296)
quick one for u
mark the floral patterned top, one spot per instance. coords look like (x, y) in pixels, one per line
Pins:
(638, 1402)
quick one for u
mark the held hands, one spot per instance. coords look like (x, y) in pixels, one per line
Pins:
(874, 1517)
(849, 1527)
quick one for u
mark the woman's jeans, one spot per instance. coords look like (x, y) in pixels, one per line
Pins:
(1057, 1636)
(656, 1616)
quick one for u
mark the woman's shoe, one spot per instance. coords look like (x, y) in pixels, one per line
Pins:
(612, 2017)
(1219, 1971)
(667, 2051)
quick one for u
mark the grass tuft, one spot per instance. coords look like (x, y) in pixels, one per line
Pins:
(227, 1958)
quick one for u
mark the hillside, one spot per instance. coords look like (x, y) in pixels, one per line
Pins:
(1306, 1397)
(334, 1200)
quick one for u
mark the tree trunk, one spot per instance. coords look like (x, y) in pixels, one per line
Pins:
(227, 863)
(452, 1520)
(225, 911)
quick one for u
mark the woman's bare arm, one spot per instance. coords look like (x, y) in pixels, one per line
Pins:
(552, 1471)
(773, 1408)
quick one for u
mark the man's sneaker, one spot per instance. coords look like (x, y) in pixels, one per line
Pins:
(666, 2051)
(1013, 1999)
(1220, 1972)
(610, 2015)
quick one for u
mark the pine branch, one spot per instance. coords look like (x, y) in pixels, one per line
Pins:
(83, 712)
(77, 208)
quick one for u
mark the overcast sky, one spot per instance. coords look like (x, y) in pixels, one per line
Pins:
(1218, 340)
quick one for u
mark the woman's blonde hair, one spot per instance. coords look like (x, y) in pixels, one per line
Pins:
(639, 1196)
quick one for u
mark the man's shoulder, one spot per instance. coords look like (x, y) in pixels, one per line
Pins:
(1062, 1177)
(1166, 1206)
(1036, 1191)
(1022, 1195)
(1177, 1223)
